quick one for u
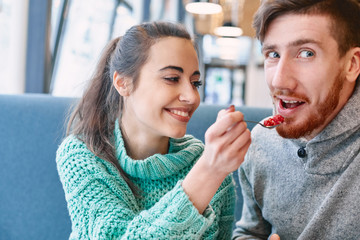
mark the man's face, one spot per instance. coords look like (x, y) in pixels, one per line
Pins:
(304, 73)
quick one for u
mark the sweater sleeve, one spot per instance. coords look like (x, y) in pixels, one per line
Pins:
(223, 204)
(101, 205)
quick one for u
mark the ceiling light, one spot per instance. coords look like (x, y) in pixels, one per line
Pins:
(226, 31)
(228, 42)
(203, 8)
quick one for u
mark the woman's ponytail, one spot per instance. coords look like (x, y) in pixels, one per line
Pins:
(93, 119)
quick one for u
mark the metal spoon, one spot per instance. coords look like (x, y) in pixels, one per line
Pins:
(261, 124)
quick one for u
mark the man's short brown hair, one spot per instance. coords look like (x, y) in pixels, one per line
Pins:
(345, 15)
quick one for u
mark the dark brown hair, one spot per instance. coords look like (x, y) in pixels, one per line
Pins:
(93, 119)
(344, 14)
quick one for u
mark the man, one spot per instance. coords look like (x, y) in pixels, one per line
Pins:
(302, 179)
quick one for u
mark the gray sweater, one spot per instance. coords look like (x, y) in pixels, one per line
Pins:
(314, 197)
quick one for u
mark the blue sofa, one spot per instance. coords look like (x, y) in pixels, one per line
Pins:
(32, 202)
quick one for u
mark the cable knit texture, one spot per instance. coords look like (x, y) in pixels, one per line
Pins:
(102, 206)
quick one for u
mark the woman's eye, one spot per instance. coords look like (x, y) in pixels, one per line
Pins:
(306, 54)
(172, 79)
(197, 84)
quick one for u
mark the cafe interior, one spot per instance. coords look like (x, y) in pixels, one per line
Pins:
(48, 51)
(52, 46)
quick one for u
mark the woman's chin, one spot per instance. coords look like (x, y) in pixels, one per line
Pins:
(178, 134)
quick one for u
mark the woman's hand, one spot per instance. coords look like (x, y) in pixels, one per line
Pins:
(226, 142)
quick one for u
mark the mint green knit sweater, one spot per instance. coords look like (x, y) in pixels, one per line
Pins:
(102, 206)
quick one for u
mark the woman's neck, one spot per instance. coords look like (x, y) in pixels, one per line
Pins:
(140, 145)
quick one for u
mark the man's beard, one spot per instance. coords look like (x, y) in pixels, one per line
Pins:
(316, 118)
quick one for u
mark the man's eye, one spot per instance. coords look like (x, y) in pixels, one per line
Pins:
(197, 84)
(306, 54)
(273, 55)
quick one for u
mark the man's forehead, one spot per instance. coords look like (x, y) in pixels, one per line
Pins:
(295, 43)
(294, 30)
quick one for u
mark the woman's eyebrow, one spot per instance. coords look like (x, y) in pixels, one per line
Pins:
(173, 67)
(196, 73)
(179, 69)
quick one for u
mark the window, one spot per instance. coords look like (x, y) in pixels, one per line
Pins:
(13, 30)
(88, 27)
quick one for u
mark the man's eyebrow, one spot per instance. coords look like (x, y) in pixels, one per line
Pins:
(265, 47)
(291, 44)
(303, 41)
(173, 67)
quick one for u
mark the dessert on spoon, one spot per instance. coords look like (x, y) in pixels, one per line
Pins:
(271, 122)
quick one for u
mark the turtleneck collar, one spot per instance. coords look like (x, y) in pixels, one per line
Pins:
(330, 151)
(182, 153)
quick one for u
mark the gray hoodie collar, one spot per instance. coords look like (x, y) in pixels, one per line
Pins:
(334, 148)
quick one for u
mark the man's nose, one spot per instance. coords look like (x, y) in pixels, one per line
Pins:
(284, 74)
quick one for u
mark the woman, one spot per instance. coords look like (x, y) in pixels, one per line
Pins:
(127, 167)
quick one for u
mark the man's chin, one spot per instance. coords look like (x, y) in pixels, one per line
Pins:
(288, 132)
(304, 129)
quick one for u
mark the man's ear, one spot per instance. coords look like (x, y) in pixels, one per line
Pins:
(353, 65)
(120, 84)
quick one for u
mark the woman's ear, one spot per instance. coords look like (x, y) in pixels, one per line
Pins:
(353, 65)
(120, 84)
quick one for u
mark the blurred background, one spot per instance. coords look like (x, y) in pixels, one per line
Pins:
(52, 46)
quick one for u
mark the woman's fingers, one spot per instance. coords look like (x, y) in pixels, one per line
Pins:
(222, 112)
(233, 152)
(224, 123)
(226, 141)
(234, 132)
(240, 144)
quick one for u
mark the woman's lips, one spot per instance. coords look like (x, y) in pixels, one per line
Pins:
(180, 115)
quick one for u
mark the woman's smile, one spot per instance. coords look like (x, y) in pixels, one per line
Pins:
(180, 114)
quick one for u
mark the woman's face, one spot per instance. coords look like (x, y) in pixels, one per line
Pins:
(166, 93)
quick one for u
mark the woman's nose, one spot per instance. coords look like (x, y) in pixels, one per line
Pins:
(189, 93)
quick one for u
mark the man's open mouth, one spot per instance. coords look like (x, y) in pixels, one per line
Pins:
(290, 104)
